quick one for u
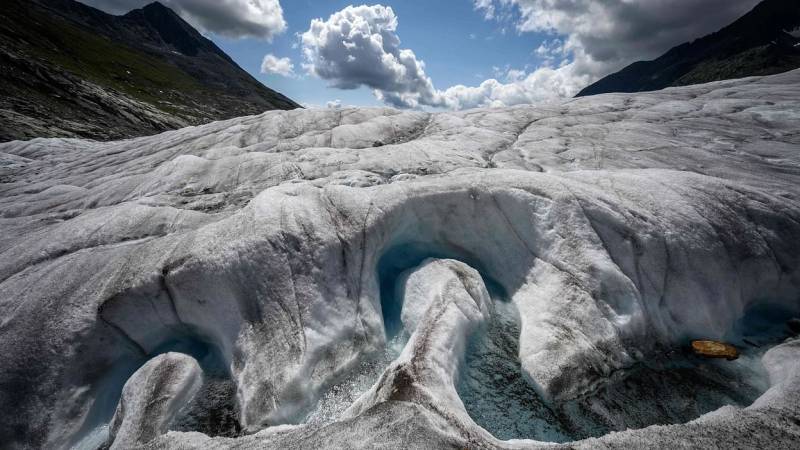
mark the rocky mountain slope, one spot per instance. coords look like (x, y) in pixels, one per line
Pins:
(764, 41)
(69, 70)
(361, 278)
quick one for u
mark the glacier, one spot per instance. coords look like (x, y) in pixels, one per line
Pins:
(517, 277)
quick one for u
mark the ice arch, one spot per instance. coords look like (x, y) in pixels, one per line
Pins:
(288, 288)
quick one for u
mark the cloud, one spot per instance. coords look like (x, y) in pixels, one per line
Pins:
(541, 85)
(487, 6)
(590, 40)
(515, 75)
(359, 46)
(332, 104)
(604, 36)
(551, 49)
(280, 66)
(232, 18)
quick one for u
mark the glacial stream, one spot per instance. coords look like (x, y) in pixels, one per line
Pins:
(669, 386)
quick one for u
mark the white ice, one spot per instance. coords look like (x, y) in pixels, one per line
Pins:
(617, 225)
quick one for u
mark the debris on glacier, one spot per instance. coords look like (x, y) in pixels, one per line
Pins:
(714, 349)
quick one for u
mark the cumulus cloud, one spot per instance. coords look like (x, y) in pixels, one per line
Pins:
(279, 66)
(232, 18)
(604, 36)
(332, 104)
(590, 40)
(359, 46)
(551, 49)
(540, 85)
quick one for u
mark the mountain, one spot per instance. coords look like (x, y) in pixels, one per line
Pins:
(70, 70)
(534, 273)
(764, 41)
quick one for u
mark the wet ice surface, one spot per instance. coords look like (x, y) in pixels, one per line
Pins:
(337, 398)
(213, 409)
(674, 390)
(494, 389)
(93, 440)
(618, 227)
(672, 387)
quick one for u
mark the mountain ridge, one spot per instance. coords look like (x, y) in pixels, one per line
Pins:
(70, 70)
(761, 42)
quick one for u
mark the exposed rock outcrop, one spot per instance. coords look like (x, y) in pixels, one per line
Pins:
(714, 349)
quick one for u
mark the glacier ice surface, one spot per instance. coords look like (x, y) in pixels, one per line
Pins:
(492, 278)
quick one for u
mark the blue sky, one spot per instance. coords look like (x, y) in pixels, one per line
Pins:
(454, 40)
(452, 54)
